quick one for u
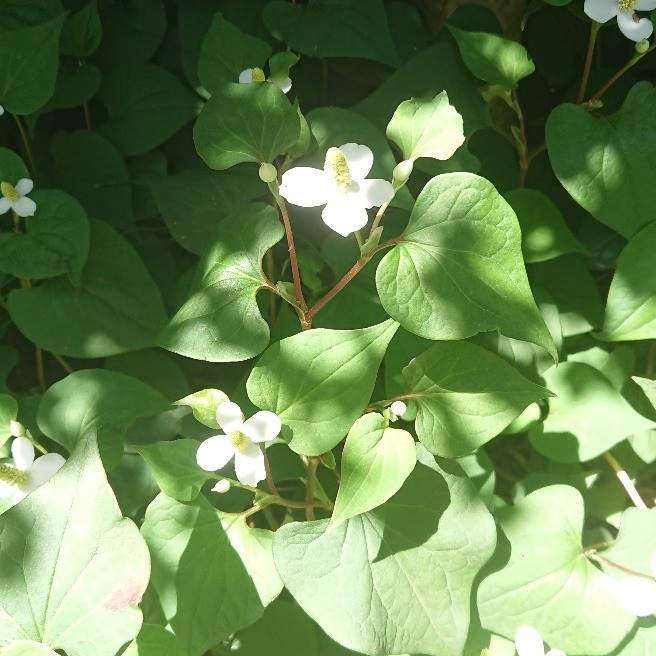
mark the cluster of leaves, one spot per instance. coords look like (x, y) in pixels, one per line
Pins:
(507, 295)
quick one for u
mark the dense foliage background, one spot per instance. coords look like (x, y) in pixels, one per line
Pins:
(465, 385)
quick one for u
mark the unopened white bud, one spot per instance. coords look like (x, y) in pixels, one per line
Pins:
(17, 429)
(402, 172)
(642, 46)
(2, 110)
(222, 486)
(399, 408)
(267, 172)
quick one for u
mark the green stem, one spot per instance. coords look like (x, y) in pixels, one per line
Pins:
(594, 30)
(26, 142)
(632, 62)
(379, 216)
(269, 478)
(313, 463)
(626, 481)
(595, 556)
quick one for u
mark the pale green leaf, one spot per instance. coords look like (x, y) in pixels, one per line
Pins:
(396, 580)
(631, 305)
(8, 413)
(73, 570)
(465, 396)
(587, 415)
(213, 574)
(548, 582)
(458, 269)
(154, 640)
(106, 402)
(174, 467)
(319, 382)
(426, 127)
(493, 58)
(376, 461)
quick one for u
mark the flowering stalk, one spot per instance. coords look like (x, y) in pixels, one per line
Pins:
(594, 30)
(313, 463)
(626, 481)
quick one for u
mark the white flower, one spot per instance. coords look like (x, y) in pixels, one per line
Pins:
(257, 75)
(15, 198)
(26, 474)
(2, 110)
(240, 441)
(340, 186)
(630, 25)
(528, 642)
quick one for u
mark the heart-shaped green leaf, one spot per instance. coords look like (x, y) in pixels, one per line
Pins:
(245, 123)
(606, 162)
(396, 580)
(465, 396)
(458, 269)
(74, 579)
(319, 382)
(221, 321)
(376, 460)
(213, 574)
(548, 583)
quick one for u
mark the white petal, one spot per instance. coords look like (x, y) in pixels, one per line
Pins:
(5, 205)
(359, 158)
(344, 216)
(249, 465)
(43, 469)
(528, 642)
(229, 416)
(246, 77)
(284, 85)
(637, 595)
(373, 193)
(263, 426)
(18, 495)
(645, 5)
(6, 490)
(556, 652)
(600, 10)
(306, 187)
(214, 453)
(22, 452)
(24, 186)
(634, 30)
(24, 206)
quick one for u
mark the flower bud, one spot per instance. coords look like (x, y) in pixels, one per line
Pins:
(402, 172)
(399, 408)
(267, 172)
(2, 110)
(222, 486)
(641, 47)
(17, 429)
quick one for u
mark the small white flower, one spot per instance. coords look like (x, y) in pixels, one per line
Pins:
(398, 408)
(528, 642)
(637, 595)
(240, 440)
(2, 110)
(15, 198)
(341, 186)
(630, 24)
(26, 474)
(257, 75)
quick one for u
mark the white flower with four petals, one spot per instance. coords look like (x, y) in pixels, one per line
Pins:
(528, 642)
(26, 474)
(341, 186)
(250, 75)
(240, 441)
(15, 197)
(630, 24)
